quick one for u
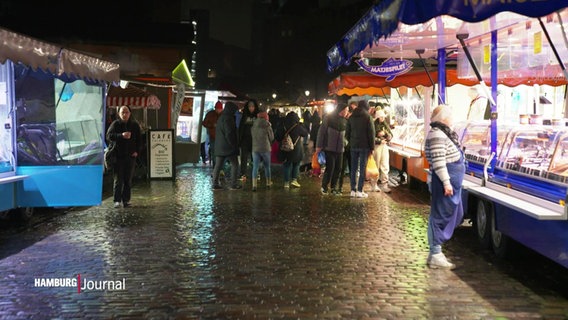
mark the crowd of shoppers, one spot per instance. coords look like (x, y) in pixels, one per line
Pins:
(348, 136)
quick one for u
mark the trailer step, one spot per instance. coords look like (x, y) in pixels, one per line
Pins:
(532, 206)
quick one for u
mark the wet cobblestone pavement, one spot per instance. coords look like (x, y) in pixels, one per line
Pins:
(184, 251)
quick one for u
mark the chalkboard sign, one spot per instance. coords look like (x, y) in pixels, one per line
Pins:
(161, 154)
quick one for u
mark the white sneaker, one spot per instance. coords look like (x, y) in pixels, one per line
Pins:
(385, 188)
(439, 260)
(117, 204)
(361, 194)
(376, 188)
(353, 194)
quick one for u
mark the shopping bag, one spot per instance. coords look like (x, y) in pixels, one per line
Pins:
(321, 158)
(372, 169)
(315, 162)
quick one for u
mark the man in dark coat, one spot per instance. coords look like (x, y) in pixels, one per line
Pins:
(250, 111)
(331, 140)
(361, 136)
(226, 145)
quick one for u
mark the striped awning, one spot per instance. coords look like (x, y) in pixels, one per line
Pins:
(133, 97)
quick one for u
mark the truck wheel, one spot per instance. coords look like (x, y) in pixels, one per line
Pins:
(482, 224)
(499, 241)
(26, 213)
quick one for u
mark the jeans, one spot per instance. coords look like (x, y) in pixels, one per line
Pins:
(358, 163)
(220, 162)
(257, 157)
(291, 170)
(333, 165)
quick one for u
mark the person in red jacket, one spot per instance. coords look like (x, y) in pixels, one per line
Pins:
(210, 122)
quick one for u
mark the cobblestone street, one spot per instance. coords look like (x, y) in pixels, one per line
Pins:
(184, 251)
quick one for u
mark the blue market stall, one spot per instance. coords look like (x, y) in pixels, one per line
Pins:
(517, 187)
(52, 107)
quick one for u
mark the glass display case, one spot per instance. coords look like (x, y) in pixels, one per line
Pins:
(408, 136)
(558, 168)
(528, 149)
(408, 132)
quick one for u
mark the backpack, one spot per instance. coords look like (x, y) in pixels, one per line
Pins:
(286, 144)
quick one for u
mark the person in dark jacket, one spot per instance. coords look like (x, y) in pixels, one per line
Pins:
(210, 122)
(316, 123)
(245, 138)
(126, 134)
(330, 139)
(307, 123)
(292, 159)
(226, 145)
(361, 136)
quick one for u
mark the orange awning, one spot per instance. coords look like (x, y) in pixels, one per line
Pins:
(362, 83)
(358, 84)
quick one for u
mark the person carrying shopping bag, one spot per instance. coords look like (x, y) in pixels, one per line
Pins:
(383, 135)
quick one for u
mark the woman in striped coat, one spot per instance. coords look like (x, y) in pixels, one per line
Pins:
(447, 169)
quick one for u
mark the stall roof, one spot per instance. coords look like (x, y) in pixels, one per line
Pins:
(384, 18)
(55, 59)
(362, 83)
(133, 97)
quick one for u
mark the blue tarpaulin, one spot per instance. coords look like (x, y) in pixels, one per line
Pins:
(383, 18)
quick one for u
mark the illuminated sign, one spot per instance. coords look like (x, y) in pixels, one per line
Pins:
(389, 69)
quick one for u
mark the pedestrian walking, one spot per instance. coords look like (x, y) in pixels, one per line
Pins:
(361, 135)
(126, 134)
(291, 159)
(262, 137)
(331, 140)
(226, 146)
(447, 169)
(245, 138)
(383, 135)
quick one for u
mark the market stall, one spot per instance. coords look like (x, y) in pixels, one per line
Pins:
(52, 108)
(506, 198)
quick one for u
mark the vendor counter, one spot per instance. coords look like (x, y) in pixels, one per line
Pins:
(535, 150)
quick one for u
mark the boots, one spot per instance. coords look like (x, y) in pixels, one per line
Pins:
(254, 182)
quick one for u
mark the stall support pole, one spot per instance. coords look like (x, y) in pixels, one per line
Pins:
(442, 75)
(494, 70)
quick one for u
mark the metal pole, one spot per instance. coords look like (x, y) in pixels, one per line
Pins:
(461, 37)
(553, 47)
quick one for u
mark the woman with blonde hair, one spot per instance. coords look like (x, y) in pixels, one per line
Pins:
(447, 169)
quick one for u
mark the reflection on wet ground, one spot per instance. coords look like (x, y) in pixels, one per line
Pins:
(188, 252)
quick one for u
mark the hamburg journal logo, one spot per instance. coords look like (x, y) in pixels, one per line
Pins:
(81, 284)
